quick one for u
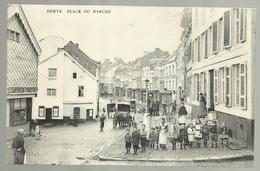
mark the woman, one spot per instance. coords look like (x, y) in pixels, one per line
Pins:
(182, 110)
(163, 135)
(202, 106)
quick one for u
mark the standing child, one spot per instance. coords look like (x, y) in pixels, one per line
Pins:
(174, 136)
(191, 135)
(182, 135)
(128, 140)
(152, 138)
(214, 134)
(143, 134)
(136, 140)
(198, 133)
(205, 134)
(157, 134)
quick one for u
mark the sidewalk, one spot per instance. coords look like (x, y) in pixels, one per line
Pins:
(116, 152)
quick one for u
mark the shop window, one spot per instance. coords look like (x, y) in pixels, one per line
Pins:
(18, 114)
(55, 111)
(41, 111)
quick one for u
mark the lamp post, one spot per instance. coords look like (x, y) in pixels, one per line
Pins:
(146, 85)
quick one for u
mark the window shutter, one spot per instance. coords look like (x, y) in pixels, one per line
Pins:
(243, 85)
(228, 86)
(242, 36)
(216, 86)
(227, 29)
(215, 37)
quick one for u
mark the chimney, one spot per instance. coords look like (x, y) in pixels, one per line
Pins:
(77, 45)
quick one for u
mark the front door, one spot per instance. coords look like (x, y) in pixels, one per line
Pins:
(211, 95)
(48, 114)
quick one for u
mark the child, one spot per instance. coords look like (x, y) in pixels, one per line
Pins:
(157, 133)
(205, 134)
(152, 138)
(143, 135)
(174, 136)
(198, 134)
(214, 134)
(128, 139)
(191, 135)
(135, 140)
(223, 134)
(182, 136)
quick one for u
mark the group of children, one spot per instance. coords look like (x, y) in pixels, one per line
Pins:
(192, 135)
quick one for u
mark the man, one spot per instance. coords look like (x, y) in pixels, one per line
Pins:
(18, 146)
(102, 122)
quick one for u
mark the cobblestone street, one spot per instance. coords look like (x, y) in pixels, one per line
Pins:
(62, 144)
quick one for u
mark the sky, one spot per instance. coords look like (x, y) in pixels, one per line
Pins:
(127, 32)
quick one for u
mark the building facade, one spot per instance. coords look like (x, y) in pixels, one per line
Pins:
(23, 51)
(223, 67)
(63, 93)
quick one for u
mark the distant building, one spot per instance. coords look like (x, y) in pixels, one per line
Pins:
(23, 51)
(223, 54)
(68, 82)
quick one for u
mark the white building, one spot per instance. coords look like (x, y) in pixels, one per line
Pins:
(223, 46)
(67, 83)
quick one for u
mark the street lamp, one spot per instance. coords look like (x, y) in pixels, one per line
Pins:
(146, 85)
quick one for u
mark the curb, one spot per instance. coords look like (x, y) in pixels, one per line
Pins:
(201, 159)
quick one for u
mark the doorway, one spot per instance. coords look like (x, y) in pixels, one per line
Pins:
(48, 114)
(211, 93)
(89, 114)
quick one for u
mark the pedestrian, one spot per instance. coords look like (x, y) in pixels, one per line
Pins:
(135, 140)
(191, 135)
(205, 134)
(128, 140)
(32, 127)
(214, 134)
(154, 108)
(115, 119)
(223, 134)
(182, 96)
(202, 106)
(198, 133)
(164, 108)
(152, 138)
(182, 136)
(182, 110)
(174, 106)
(174, 96)
(157, 134)
(174, 136)
(18, 147)
(102, 122)
(157, 107)
(143, 135)
(163, 135)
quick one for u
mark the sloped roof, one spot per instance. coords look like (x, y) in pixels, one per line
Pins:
(17, 10)
(83, 59)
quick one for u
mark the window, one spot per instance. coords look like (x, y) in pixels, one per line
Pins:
(228, 86)
(227, 29)
(52, 73)
(242, 25)
(236, 84)
(41, 111)
(173, 73)
(51, 92)
(243, 86)
(206, 43)
(202, 47)
(215, 37)
(210, 41)
(192, 51)
(199, 57)
(220, 34)
(221, 91)
(55, 111)
(76, 112)
(196, 51)
(74, 75)
(198, 86)
(237, 24)
(81, 91)
(14, 36)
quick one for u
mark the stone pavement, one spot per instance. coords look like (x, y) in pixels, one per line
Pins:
(64, 144)
(116, 152)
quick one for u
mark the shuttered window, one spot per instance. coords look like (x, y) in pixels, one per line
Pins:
(227, 29)
(216, 86)
(243, 85)
(242, 25)
(206, 43)
(215, 37)
(199, 57)
(228, 86)
(237, 25)
(220, 34)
